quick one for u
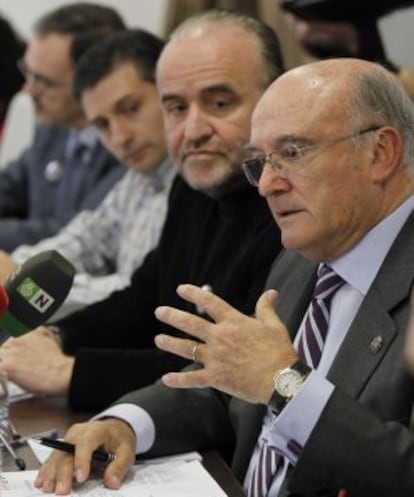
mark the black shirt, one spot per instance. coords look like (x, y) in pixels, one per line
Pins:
(228, 244)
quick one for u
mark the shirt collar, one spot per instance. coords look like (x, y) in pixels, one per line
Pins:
(161, 175)
(88, 136)
(371, 251)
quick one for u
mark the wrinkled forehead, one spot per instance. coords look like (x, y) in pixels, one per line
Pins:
(301, 104)
(202, 56)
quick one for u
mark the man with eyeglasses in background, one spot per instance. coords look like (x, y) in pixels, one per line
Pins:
(218, 232)
(65, 169)
(311, 396)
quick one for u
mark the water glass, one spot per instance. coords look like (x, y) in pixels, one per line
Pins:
(4, 407)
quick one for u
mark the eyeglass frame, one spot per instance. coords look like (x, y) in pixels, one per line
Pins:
(39, 79)
(261, 160)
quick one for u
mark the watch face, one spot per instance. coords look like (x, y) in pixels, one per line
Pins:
(288, 382)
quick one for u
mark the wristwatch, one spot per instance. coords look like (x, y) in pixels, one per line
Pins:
(286, 384)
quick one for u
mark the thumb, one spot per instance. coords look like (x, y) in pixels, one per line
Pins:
(265, 306)
(115, 472)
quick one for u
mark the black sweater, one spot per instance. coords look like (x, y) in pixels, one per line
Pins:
(228, 244)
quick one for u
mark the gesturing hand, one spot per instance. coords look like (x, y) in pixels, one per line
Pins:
(240, 354)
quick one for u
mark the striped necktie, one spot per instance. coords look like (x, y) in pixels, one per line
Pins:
(69, 190)
(316, 323)
(310, 348)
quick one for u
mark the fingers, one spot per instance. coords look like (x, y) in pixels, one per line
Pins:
(188, 349)
(55, 475)
(265, 306)
(116, 471)
(214, 306)
(189, 379)
(113, 435)
(57, 472)
(190, 323)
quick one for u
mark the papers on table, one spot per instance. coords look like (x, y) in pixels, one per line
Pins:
(42, 453)
(172, 478)
(16, 393)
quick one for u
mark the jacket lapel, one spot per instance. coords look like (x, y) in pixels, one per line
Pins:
(373, 330)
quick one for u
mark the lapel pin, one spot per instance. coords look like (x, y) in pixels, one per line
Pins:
(53, 171)
(376, 344)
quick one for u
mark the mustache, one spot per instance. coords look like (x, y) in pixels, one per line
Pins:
(130, 150)
(192, 151)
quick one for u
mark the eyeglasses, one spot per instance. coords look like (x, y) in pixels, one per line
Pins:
(290, 156)
(39, 79)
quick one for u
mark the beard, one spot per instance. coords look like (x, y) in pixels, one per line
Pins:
(226, 183)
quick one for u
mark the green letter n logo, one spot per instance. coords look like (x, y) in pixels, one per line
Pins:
(34, 295)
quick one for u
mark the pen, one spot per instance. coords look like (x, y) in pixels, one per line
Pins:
(97, 455)
(19, 440)
(18, 461)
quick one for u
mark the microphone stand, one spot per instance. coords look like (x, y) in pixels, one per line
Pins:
(18, 461)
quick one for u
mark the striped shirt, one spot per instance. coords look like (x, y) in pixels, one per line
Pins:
(106, 245)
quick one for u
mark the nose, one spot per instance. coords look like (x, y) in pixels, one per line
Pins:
(121, 132)
(197, 125)
(31, 87)
(273, 182)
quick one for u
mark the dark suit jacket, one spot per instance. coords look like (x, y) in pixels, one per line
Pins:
(362, 441)
(29, 196)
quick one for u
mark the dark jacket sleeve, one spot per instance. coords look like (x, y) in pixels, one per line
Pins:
(124, 326)
(185, 419)
(15, 228)
(29, 197)
(114, 338)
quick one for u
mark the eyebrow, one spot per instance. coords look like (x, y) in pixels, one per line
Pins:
(282, 140)
(221, 87)
(125, 100)
(168, 97)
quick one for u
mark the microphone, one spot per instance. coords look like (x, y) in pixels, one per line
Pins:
(4, 301)
(35, 290)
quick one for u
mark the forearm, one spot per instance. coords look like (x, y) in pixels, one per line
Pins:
(78, 241)
(87, 290)
(100, 376)
(202, 414)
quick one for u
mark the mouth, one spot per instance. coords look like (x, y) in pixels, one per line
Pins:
(285, 214)
(133, 156)
(198, 154)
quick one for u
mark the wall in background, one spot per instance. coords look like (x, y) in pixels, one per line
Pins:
(398, 35)
(396, 28)
(148, 14)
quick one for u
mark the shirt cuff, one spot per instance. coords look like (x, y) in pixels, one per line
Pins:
(290, 431)
(139, 420)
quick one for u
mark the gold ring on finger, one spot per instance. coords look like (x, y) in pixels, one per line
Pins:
(194, 352)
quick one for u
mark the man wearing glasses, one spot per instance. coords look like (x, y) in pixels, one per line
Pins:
(310, 397)
(65, 169)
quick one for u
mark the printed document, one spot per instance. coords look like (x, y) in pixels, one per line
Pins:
(169, 479)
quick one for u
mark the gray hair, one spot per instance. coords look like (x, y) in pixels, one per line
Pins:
(266, 37)
(379, 99)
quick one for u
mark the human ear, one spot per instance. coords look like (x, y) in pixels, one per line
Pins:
(388, 152)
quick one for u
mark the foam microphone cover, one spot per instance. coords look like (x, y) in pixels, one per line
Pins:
(4, 301)
(36, 289)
